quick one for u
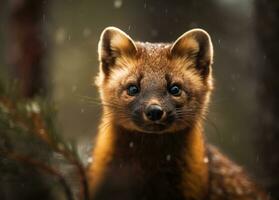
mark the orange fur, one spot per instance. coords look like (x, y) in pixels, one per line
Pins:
(195, 182)
(173, 162)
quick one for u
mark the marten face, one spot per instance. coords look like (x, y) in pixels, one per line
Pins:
(154, 88)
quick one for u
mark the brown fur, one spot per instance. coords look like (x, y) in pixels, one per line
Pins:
(131, 161)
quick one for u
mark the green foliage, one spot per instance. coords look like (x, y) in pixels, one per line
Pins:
(33, 154)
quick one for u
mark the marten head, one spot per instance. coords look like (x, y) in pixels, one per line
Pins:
(154, 88)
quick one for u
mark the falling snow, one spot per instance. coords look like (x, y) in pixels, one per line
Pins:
(89, 160)
(168, 157)
(118, 3)
(131, 144)
(74, 88)
(60, 36)
(87, 32)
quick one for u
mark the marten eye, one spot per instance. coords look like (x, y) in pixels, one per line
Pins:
(132, 90)
(175, 90)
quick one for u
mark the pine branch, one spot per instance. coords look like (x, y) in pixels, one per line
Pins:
(34, 120)
(40, 166)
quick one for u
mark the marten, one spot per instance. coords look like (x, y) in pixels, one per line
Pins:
(150, 144)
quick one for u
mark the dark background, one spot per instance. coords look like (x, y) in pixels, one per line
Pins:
(51, 47)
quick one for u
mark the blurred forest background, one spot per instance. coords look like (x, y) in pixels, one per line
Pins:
(51, 48)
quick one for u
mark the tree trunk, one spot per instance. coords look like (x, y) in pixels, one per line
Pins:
(26, 45)
(267, 29)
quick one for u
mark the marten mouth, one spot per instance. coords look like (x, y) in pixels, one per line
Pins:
(156, 128)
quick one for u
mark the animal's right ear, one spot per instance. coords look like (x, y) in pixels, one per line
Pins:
(113, 44)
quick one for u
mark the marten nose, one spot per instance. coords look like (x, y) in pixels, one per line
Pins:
(154, 112)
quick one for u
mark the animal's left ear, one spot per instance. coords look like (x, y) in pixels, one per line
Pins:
(195, 44)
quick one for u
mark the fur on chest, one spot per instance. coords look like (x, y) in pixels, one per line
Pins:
(132, 179)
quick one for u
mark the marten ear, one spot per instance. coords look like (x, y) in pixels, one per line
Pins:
(113, 44)
(195, 44)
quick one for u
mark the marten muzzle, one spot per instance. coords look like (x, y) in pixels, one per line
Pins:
(154, 112)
